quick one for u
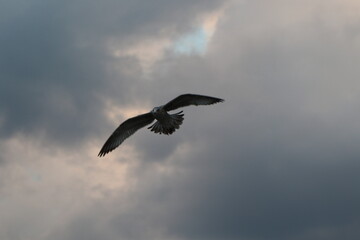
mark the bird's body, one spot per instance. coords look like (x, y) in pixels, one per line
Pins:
(166, 123)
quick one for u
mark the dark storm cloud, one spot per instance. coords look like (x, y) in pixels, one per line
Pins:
(48, 82)
(55, 65)
(269, 188)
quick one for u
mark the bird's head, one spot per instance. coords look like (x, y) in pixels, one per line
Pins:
(156, 109)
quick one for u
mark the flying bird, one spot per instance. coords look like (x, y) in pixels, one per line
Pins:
(166, 123)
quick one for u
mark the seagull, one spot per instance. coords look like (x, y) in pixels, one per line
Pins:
(166, 123)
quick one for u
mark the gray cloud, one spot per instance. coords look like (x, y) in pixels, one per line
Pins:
(55, 65)
(277, 160)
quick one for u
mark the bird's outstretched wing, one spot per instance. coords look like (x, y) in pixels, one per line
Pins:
(125, 130)
(190, 99)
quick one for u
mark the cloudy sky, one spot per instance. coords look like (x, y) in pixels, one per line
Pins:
(279, 159)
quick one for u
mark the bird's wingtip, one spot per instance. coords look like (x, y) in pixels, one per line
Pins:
(101, 154)
(219, 100)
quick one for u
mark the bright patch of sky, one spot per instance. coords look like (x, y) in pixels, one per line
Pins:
(197, 41)
(194, 42)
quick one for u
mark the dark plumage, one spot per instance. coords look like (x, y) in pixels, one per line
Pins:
(166, 123)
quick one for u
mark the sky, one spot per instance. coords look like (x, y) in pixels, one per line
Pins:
(278, 160)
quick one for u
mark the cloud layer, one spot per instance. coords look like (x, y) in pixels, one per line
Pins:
(279, 159)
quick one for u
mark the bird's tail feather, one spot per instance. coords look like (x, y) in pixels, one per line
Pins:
(168, 126)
